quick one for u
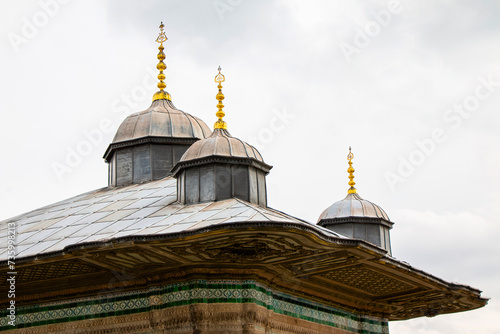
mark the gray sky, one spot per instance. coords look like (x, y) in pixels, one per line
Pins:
(413, 87)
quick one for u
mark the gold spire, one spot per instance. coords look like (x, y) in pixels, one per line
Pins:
(161, 94)
(350, 170)
(220, 124)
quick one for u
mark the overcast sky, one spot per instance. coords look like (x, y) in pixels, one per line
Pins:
(412, 86)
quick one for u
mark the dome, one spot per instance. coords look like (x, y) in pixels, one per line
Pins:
(354, 206)
(221, 144)
(221, 167)
(148, 144)
(161, 119)
(357, 218)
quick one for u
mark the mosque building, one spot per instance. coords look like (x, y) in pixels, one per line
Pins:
(182, 241)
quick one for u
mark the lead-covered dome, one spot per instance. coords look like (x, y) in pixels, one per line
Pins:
(221, 144)
(354, 206)
(148, 144)
(357, 218)
(221, 167)
(162, 120)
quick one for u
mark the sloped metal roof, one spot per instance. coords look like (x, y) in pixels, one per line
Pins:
(136, 210)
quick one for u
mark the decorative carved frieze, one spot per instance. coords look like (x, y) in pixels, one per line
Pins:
(243, 249)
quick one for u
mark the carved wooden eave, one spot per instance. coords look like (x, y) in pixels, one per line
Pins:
(344, 273)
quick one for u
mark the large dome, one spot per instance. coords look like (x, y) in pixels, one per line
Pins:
(148, 144)
(353, 206)
(161, 119)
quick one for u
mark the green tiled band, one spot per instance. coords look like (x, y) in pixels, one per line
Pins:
(193, 292)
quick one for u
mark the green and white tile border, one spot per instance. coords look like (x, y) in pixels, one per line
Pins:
(192, 292)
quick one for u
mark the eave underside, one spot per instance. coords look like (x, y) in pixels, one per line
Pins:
(345, 274)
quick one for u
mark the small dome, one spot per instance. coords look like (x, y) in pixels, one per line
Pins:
(354, 206)
(221, 144)
(161, 119)
(221, 167)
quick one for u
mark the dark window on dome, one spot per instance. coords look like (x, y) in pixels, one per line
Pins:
(223, 182)
(207, 184)
(359, 231)
(240, 182)
(192, 185)
(254, 189)
(373, 234)
(344, 229)
(112, 171)
(261, 177)
(124, 167)
(162, 160)
(142, 164)
(387, 240)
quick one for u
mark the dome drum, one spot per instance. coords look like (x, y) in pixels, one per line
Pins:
(357, 218)
(142, 163)
(373, 230)
(116, 146)
(221, 167)
(217, 179)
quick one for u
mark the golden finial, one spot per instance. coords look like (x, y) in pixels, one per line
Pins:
(220, 124)
(350, 170)
(161, 94)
